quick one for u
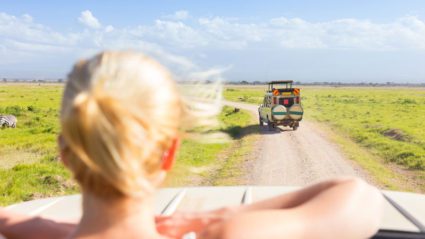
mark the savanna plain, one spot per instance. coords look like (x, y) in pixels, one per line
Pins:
(381, 129)
(30, 166)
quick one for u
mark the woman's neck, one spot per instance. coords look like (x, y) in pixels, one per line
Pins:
(116, 218)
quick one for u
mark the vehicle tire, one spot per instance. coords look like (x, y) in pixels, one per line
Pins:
(294, 128)
(270, 125)
(261, 121)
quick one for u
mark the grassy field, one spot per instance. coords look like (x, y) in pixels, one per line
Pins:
(377, 127)
(29, 167)
(199, 163)
(387, 122)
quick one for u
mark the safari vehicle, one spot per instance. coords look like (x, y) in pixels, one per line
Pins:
(403, 216)
(281, 105)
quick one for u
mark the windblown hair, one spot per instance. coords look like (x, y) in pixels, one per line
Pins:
(120, 113)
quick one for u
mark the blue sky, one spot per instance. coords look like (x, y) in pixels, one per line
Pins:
(347, 41)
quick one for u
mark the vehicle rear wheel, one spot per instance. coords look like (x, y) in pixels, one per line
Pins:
(294, 128)
(270, 125)
(261, 121)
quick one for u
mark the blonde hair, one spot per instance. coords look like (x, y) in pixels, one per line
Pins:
(120, 113)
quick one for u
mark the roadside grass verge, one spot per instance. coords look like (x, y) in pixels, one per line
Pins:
(387, 124)
(233, 169)
(251, 95)
(234, 158)
(385, 176)
(200, 163)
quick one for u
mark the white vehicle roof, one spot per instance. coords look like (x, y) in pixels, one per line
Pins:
(403, 211)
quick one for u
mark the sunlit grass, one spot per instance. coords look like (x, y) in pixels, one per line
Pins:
(202, 161)
(29, 166)
(387, 122)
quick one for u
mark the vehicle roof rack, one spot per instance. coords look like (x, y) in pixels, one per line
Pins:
(280, 82)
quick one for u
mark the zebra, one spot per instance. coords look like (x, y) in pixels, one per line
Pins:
(8, 120)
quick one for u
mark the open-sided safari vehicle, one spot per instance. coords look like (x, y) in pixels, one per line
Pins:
(281, 105)
(403, 216)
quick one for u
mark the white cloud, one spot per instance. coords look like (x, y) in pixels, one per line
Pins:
(27, 18)
(225, 33)
(24, 29)
(176, 34)
(109, 28)
(176, 43)
(229, 33)
(403, 33)
(210, 74)
(26, 39)
(87, 19)
(178, 16)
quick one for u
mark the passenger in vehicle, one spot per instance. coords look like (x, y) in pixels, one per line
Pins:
(119, 137)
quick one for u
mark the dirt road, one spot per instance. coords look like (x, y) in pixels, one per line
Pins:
(286, 157)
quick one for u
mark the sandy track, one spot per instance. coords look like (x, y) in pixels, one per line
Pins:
(286, 157)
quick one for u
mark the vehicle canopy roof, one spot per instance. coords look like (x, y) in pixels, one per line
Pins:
(281, 82)
(285, 84)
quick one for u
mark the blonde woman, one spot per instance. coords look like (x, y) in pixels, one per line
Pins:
(122, 119)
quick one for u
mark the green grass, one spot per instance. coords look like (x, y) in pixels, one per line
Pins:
(198, 163)
(252, 95)
(32, 181)
(234, 168)
(389, 123)
(383, 176)
(37, 110)
(29, 168)
(244, 129)
(374, 126)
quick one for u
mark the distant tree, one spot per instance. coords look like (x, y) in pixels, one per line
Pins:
(60, 80)
(4, 80)
(244, 82)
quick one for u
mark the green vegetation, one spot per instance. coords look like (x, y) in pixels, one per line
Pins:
(29, 167)
(252, 95)
(374, 126)
(37, 110)
(243, 128)
(204, 161)
(389, 123)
